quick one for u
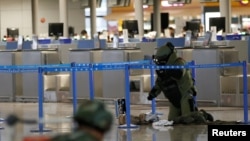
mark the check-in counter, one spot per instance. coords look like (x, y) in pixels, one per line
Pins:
(63, 50)
(109, 83)
(208, 79)
(82, 78)
(10, 84)
(185, 53)
(30, 80)
(114, 81)
(232, 90)
(147, 49)
(241, 46)
(2, 45)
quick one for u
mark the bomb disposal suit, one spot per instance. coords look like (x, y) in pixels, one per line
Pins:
(176, 84)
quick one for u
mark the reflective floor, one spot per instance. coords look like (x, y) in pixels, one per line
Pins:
(57, 120)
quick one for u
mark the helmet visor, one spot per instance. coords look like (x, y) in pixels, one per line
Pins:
(160, 60)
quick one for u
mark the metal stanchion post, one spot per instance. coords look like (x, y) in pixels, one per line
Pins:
(91, 83)
(193, 76)
(40, 102)
(127, 101)
(129, 136)
(73, 86)
(193, 69)
(1, 120)
(40, 98)
(245, 84)
(152, 82)
(154, 137)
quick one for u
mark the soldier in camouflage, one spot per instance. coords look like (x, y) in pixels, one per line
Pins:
(93, 121)
(177, 85)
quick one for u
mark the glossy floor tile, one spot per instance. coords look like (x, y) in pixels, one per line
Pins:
(57, 120)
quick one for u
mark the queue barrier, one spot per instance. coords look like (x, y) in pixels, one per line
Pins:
(126, 66)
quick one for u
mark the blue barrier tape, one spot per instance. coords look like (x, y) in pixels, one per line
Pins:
(185, 66)
(107, 66)
(18, 70)
(28, 68)
(58, 69)
(215, 65)
(82, 65)
(32, 66)
(116, 63)
(125, 63)
(156, 67)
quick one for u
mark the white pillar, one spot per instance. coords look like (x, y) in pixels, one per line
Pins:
(92, 18)
(225, 11)
(139, 16)
(157, 17)
(35, 20)
(84, 18)
(63, 16)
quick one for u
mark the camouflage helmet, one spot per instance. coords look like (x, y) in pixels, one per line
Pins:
(93, 113)
(165, 50)
(163, 53)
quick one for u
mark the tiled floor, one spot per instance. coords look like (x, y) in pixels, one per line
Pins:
(55, 111)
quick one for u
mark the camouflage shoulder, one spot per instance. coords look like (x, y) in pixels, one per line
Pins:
(61, 137)
(180, 61)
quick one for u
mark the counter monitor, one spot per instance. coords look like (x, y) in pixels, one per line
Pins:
(12, 32)
(55, 29)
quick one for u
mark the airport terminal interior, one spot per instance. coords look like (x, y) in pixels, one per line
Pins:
(49, 65)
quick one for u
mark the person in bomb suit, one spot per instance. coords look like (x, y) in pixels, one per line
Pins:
(177, 86)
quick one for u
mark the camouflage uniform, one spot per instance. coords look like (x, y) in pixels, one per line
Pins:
(196, 117)
(94, 116)
(176, 84)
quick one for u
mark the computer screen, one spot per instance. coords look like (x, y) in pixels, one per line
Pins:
(131, 26)
(193, 26)
(55, 29)
(218, 22)
(12, 32)
(164, 21)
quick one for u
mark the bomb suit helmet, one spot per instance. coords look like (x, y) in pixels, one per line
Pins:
(163, 53)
